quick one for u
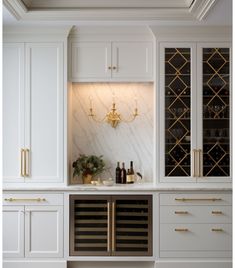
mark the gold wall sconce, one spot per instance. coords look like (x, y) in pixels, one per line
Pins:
(113, 117)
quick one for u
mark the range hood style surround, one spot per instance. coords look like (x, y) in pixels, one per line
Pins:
(104, 10)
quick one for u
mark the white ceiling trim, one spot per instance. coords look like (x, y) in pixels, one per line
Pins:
(195, 11)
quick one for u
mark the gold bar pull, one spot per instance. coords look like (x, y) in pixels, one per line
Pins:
(22, 174)
(217, 230)
(27, 162)
(109, 221)
(198, 199)
(215, 212)
(200, 162)
(181, 212)
(113, 226)
(181, 230)
(25, 199)
(194, 163)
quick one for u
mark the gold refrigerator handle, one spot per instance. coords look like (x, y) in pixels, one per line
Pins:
(109, 222)
(22, 163)
(194, 163)
(27, 162)
(200, 163)
(113, 226)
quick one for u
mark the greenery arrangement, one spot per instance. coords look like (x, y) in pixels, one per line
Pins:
(90, 164)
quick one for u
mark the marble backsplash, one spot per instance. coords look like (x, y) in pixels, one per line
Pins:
(128, 141)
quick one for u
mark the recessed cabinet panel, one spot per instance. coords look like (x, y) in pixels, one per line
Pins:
(91, 60)
(44, 112)
(13, 111)
(216, 112)
(13, 231)
(44, 231)
(132, 60)
(177, 112)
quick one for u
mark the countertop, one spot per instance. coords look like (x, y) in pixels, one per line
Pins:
(141, 187)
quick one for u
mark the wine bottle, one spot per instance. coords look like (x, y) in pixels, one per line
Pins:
(118, 173)
(123, 174)
(132, 173)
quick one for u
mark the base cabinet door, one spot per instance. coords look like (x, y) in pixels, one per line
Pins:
(43, 231)
(13, 231)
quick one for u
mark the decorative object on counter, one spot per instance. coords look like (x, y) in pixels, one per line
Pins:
(118, 173)
(108, 182)
(113, 117)
(123, 174)
(88, 166)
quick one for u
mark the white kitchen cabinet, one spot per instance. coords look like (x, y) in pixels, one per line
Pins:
(33, 225)
(13, 231)
(13, 110)
(111, 61)
(195, 137)
(33, 112)
(43, 231)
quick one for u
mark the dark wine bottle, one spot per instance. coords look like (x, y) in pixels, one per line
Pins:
(123, 174)
(118, 173)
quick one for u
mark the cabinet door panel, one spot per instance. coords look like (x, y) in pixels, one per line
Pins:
(178, 105)
(44, 231)
(90, 225)
(132, 225)
(214, 71)
(13, 110)
(91, 60)
(44, 112)
(13, 231)
(132, 60)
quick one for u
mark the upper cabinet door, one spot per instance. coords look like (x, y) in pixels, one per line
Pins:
(44, 112)
(214, 120)
(177, 100)
(13, 111)
(132, 60)
(90, 60)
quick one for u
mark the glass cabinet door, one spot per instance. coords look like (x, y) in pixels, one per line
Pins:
(177, 98)
(216, 112)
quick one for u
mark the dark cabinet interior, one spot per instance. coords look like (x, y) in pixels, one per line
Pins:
(110, 225)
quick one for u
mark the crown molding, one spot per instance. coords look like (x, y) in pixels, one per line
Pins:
(196, 11)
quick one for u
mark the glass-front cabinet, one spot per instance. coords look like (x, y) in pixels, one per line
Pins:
(195, 100)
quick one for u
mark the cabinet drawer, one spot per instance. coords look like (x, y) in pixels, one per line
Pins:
(33, 199)
(196, 214)
(195, 237)
(195, 199)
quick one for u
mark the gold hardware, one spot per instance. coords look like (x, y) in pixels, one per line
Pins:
(217, 230)
(114, 68)
(108, 236)
(198, 199)
(194, 163)
(27, 162)
(21, 163)
(181, 230)
(217, 212)
(113, 226)
(181, 212)
(25, 199)
(200, 162)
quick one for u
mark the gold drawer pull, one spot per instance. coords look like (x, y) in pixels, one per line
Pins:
(109, 222)
(25, 199)
(217, 212)
(181, 212)
(198, 199)
(113, 225)
(181, 230)
(22, 163)
(217, 230)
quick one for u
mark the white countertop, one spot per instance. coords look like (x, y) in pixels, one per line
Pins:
(124, 187)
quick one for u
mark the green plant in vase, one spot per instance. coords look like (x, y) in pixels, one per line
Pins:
(88, 166)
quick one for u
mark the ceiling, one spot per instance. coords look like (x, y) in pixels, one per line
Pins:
(159, 12)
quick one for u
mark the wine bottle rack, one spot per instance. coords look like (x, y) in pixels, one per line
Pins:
(177, 112)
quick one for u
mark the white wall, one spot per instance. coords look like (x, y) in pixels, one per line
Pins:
(129, 141)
